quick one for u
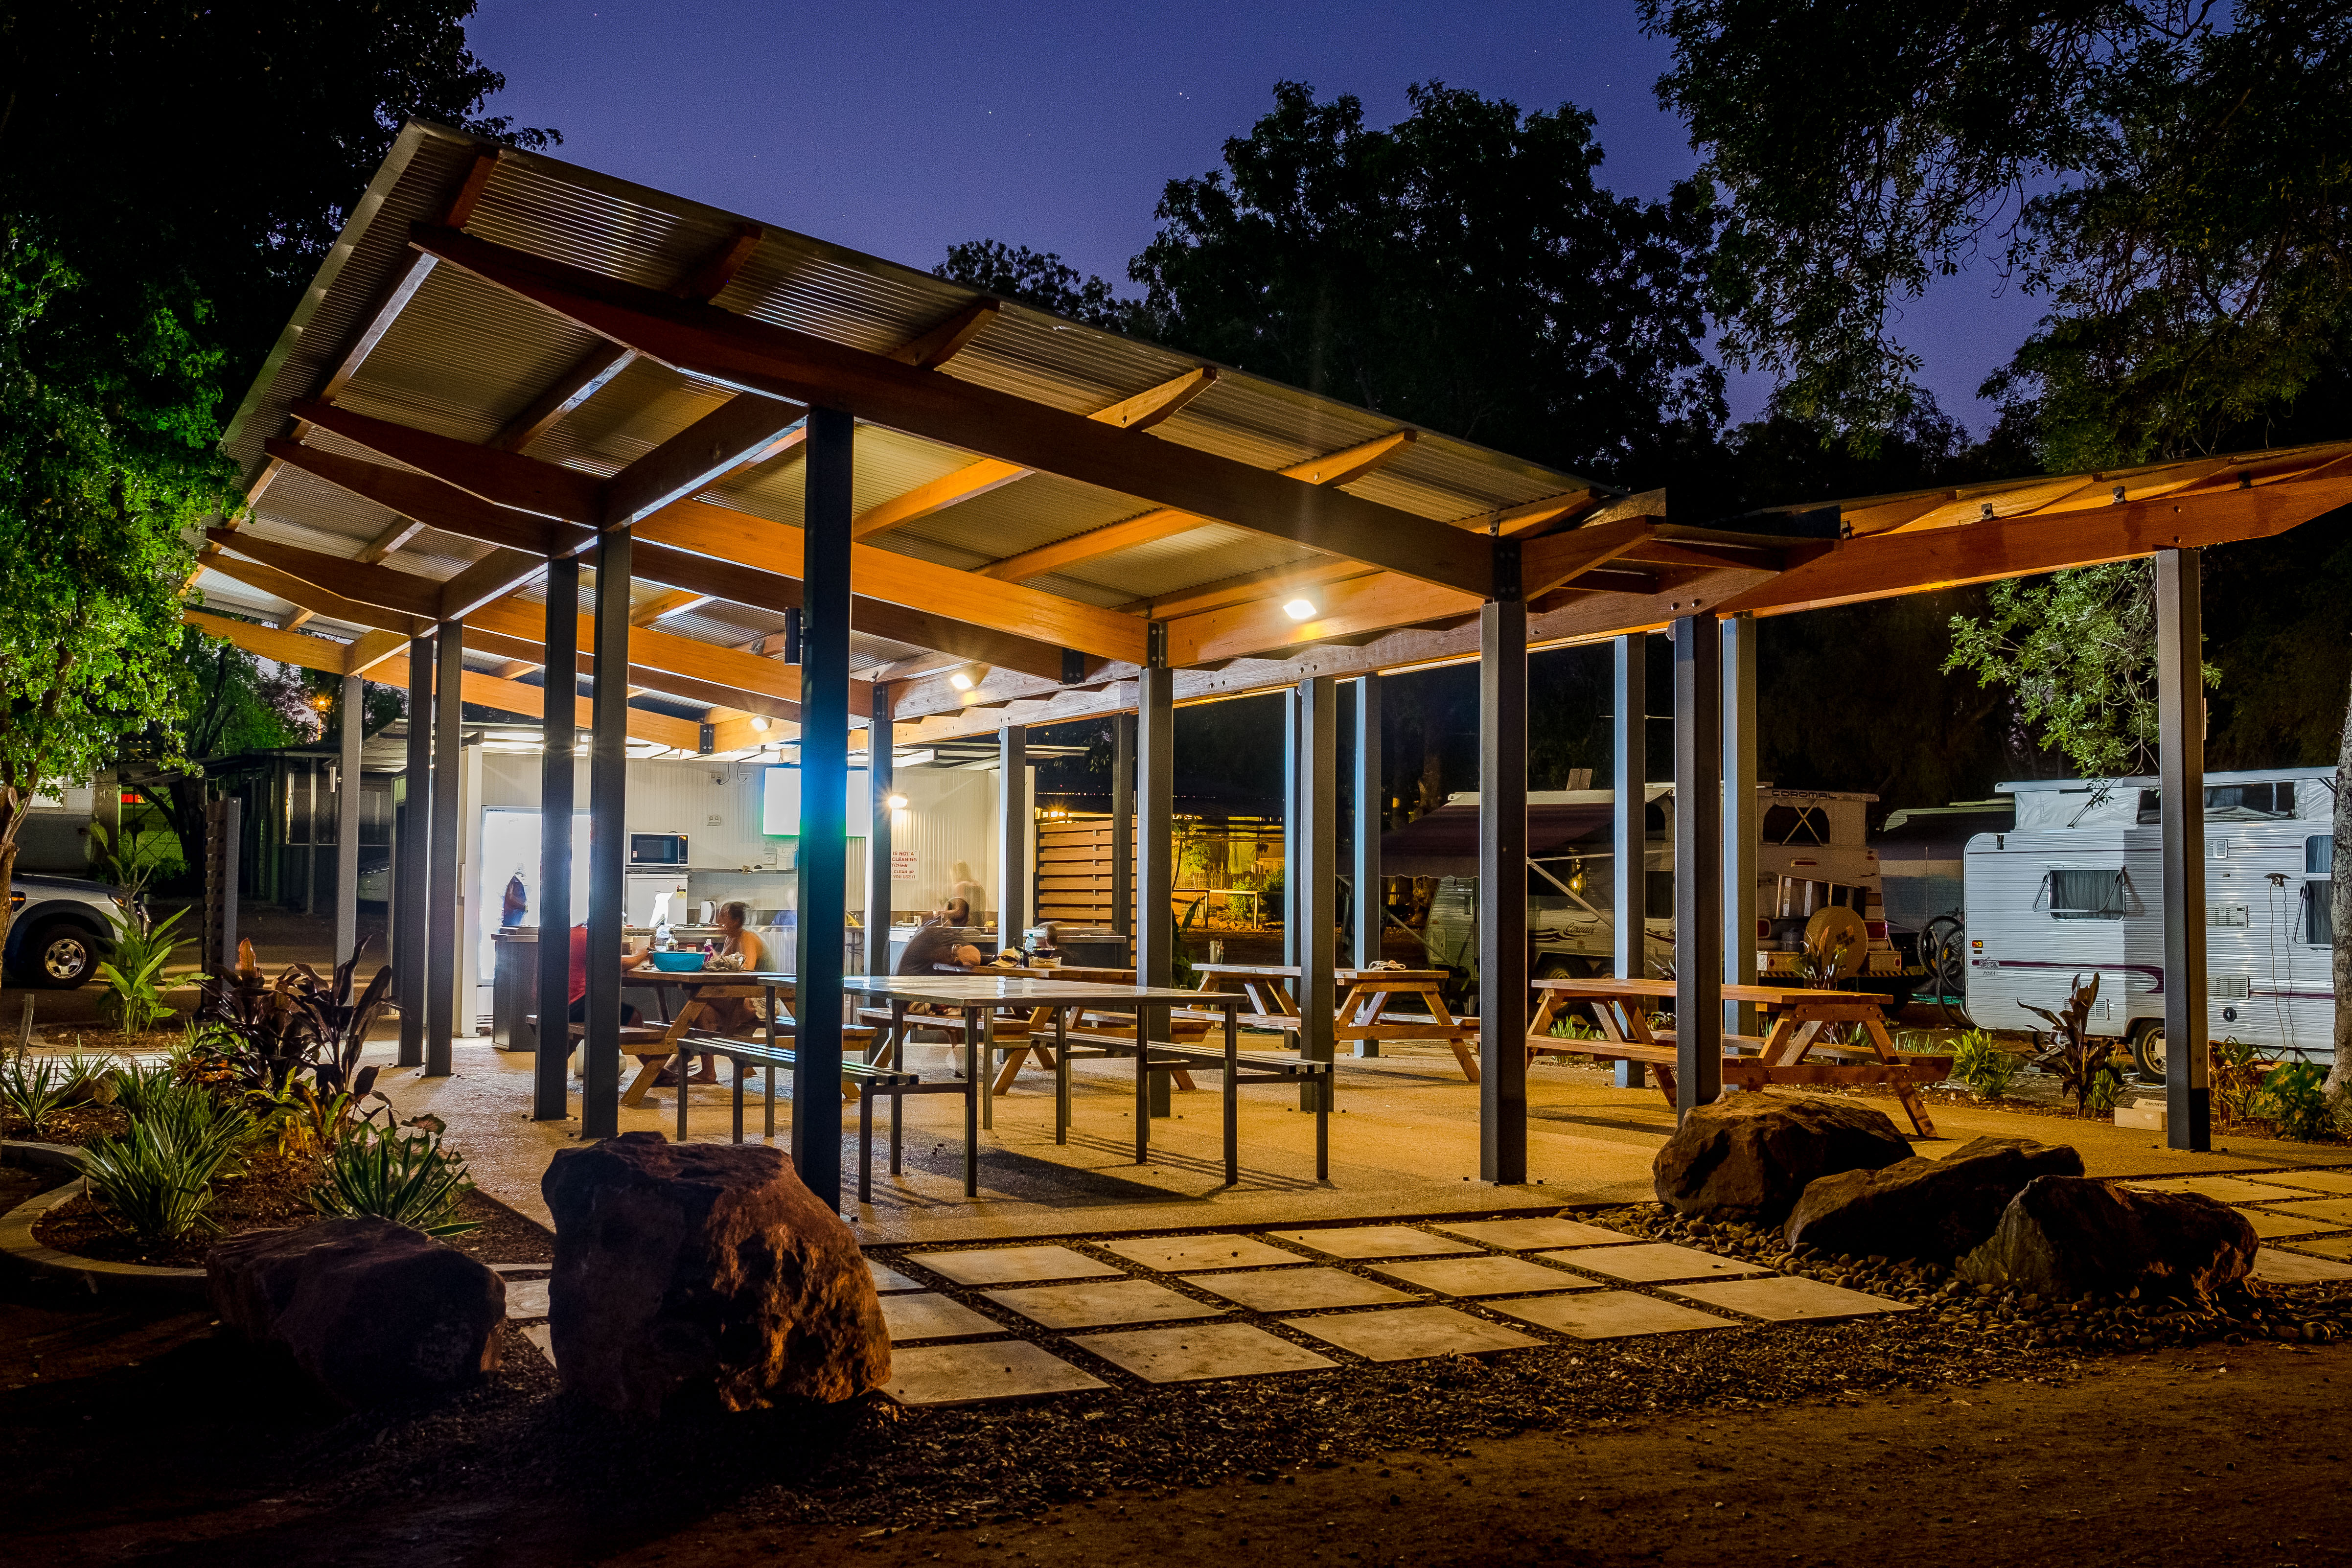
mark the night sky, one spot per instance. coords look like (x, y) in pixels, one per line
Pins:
(902, 129)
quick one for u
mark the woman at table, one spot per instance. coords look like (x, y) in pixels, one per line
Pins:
(743, 950)
(631, 957)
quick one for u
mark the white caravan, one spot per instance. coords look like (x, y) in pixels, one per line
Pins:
(2077, 887)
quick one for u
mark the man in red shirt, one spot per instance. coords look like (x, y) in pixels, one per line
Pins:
(630, 958)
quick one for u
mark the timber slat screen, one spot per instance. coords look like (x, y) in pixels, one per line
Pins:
(1077, 878)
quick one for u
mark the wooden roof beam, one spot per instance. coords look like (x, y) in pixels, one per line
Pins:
(594, 371)
(946, 340)
(746, 429)
(672, 602)
(1331, 468)
(1140, 412)
(758, 356)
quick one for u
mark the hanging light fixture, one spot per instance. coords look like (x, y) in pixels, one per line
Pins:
(1299, 609)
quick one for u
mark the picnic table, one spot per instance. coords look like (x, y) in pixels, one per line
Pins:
(979, 996)
(1362, 1015)
(702, 989)
(1799, 1018)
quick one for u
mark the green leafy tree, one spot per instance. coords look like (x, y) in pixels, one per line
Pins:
(1462, 269)
(2175, 179)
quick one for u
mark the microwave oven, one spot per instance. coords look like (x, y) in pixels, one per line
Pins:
(657, 849)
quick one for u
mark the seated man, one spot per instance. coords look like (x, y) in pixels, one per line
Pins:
(933, 948)
(630, 958)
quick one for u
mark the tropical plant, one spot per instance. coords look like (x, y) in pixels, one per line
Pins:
(2106, 1088)
(155, 1181)
(2297, 1097)
(408, 1176)
(268, 1032)
(1575, 1027)
(136, 1086)
(134, 971)
(32, 1087)
(306, 1122)
(89, 1077)
(2236, 1074)
(1984, 1065)
(1824, 960)
(2078, 1058)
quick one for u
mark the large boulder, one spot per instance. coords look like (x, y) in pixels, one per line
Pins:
(371, 1311)
(704, 1275)
(2067, 1235)
(1747, 1156)
(1925, 1208)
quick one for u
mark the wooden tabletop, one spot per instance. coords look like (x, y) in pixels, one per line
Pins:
(1766, 996)
(649, 976)
(1291, 971)
(982, 989)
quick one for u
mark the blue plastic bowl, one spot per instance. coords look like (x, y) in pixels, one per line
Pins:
(678, 962)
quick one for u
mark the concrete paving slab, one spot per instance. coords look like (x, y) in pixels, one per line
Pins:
(543, 1337)
(1180, 1254)
(1611, 1315)
(1012, 1265)
(1786, 1299)
(520, 1268)
(1650, 1262)
(974, 1374)
(2269, 1226)
(2313, 1181)
(1101, 1304)
(2224, 1189)
(2274, 1267)
(1203, 1353)
(1486, 1275)
(1375, 1241)
(887, 1278)
(1297, 1289)
(1412, 1333)
(927, 1315)
(2326, 1246)
(2336, 1214)
(1527, 1235)
(526, 1298)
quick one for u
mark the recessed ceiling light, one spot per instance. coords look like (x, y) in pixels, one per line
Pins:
(761, 725)
(895, 803)
(962, 681)
(1299, 609)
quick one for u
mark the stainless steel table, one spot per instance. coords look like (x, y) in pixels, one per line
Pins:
(978, 997)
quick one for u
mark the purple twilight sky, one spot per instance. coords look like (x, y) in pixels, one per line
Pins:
(901, 129)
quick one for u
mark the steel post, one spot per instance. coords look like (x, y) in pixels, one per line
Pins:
(1698, 863)
(559, 743)
(2181, 740)
(608, 840)
(1366, 903)
(443, 1006)
(823, 848)
(1503, 888)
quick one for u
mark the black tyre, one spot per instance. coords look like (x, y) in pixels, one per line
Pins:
(2147, 1052)
(58, 956)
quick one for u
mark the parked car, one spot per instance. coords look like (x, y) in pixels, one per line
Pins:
(375, 877)
(57, 931)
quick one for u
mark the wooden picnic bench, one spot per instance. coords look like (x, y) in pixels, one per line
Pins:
(1799, 1018)
(1362, 1015)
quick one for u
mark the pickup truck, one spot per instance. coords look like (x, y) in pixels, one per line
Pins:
(58, 929)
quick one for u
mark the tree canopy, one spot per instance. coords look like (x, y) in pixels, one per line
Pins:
(1463, 269)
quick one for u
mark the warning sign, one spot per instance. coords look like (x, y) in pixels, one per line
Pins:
(902, 865)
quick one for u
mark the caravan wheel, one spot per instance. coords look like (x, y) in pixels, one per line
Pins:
(2148, 1051)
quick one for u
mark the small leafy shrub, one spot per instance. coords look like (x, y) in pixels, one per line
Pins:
(2296, 1098)
(1980, 1061)
(134, 971)
(306, 1122)
(1575, 1027)
(407, 1176)
(33, 1087)
(136, 1087)
(2106, 1088)
(263, 1034)
(2237, 1078)
(155, 1181)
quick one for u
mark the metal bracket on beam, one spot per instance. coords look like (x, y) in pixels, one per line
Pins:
(1507, 570)
(710, 741)
(1155, 645)
(1074, 667)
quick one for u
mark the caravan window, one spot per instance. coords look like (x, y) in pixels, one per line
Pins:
(1795, 824)
(2102, 894)
(2254, 799)
(2318, 919)
(2318, 855)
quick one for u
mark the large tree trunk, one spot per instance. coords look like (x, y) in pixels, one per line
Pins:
(185, 803)
(2339, 906)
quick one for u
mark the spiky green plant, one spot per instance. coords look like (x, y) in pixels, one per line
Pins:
(409, 1177)
(155, 1181)
(137, 1084)
(1980, 1062)
(32, 1086)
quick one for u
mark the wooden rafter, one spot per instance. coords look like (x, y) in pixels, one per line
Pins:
(758, 356)
(745, 429)
(1141, 412)
(668, 603)
(594, 369)
(946, 340)
(1331, 468)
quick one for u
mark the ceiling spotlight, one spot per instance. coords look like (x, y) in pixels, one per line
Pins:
(895, 803)
(761, 725)
(1299, 609)
(962, 681)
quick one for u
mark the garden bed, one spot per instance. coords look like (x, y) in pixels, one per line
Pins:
(74, 1124)
(272, 1196)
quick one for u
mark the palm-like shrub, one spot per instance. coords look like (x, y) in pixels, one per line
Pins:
(408, 1177)
(155, 1181)
(32, 1087)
